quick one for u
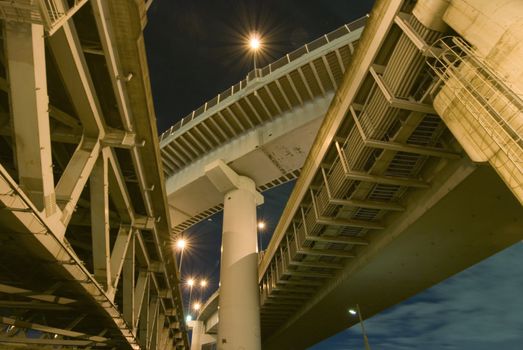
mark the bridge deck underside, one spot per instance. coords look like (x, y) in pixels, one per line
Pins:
(290, 84)
(390, 156)
(54, 300)
(443, 234)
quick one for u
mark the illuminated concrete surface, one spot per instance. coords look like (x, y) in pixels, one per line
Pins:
(406, 148)
(85, 245)
(389, 200)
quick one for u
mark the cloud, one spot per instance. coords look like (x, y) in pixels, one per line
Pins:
(478, 309)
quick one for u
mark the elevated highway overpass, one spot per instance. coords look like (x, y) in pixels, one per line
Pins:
(406, 149)
(85, 253)
(414, 174)
(262, 127)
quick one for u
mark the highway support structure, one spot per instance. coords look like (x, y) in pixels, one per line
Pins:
(85, 249)
(239, 310)
(371, 207)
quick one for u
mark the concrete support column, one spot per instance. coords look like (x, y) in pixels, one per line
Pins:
(101, 242)
(239, 312)
(430, 13)
(197, 330)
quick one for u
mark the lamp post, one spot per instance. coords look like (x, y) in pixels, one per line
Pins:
(190, 283)
(261, 227)
(358, 312)
(255, 44)
(197, 306)
(203, 284)
(180, 244)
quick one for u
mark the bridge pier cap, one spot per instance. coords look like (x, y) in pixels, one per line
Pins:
(239, 309)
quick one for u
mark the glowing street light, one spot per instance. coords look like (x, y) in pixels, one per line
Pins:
(197, 306)
(190, 283)
(261, 226)
(255, 44)
(180, 244)
(203, 284)
(355, 312)
(188, 318)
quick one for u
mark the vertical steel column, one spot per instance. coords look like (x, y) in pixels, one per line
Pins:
(159, 329)
(29, 109)
(99, 188)
(139, 295)
(128, 284)
(153, 307)
(118, 254)
(143, 324)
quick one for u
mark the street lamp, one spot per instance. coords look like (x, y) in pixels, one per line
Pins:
(197, 306)
(203, 284)
(180, 245)
(190, 283)
(355, 312)
(255, 44)
(261, 227)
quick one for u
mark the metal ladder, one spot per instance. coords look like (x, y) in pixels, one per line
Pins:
(466, 78)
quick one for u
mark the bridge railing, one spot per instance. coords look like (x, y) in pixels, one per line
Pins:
(22, 11)
(49, 13)
(267, 70)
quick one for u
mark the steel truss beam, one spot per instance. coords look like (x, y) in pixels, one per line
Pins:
(400, 147)
(35, 295)
(394, 101)
(25, 51)
(51, 330)
(52, 342)
(119, 255)
(380, 179)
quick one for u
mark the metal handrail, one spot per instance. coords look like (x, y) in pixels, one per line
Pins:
(52, 14)
(22, 11)
(267, 70)
(470, 73)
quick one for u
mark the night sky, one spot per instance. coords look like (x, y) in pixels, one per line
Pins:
(196, 49)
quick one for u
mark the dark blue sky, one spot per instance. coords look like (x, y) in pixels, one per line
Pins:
(195, 51)
(480, 308)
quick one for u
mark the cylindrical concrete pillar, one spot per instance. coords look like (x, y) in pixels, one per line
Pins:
(239, 327)
(430, 13)
(197, 331)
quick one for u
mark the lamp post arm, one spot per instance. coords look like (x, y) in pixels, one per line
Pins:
(181, 261)
(365, 339)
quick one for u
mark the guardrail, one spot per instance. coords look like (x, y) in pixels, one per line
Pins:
(267, 70)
